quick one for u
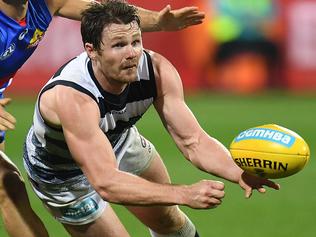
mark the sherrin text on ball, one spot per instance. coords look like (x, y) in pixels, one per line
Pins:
(270, 151)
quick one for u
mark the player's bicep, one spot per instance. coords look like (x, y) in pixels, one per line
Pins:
(79, 116)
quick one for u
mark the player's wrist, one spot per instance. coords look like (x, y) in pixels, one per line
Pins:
(158, 22)
(236, 175)
(182, 195)
(149, 20)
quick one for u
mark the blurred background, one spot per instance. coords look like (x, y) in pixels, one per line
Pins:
(243, 46)
(250, 63)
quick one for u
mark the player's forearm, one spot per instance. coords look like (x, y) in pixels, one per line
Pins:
(71, 9)
(209, 155)
(149, 20)
(124, 188)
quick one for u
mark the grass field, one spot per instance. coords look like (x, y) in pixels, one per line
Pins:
(289, 212)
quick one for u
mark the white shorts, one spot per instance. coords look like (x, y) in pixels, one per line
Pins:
(79, 203)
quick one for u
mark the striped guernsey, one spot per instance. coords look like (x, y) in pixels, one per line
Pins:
(117, 114)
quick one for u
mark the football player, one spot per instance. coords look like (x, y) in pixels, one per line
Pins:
(84, 150)
(22, 26)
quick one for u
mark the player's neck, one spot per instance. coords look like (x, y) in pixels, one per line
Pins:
(109, 85)
(16, 9)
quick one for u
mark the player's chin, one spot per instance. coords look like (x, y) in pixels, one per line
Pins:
(129, 75)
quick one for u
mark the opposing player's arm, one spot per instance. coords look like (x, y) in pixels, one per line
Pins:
(68, 8)
(204, 151)
(166, 19)
(79, 117)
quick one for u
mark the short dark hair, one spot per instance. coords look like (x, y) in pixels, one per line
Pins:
(99, 15)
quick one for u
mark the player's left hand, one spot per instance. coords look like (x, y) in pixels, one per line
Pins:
(249, 182)
(172, 20)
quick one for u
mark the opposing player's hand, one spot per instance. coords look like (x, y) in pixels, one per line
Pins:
(172, 20)
(7, 121)
(249, 182)
(205, 194)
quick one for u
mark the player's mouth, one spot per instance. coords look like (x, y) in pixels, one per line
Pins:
(131, 66)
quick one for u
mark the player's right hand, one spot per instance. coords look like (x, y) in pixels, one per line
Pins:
(7, 121)
(205, 194)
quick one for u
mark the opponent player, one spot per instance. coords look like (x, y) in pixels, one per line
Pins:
(84, 150)
(22, 25)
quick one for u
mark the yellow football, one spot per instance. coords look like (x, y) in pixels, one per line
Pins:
(270, 151)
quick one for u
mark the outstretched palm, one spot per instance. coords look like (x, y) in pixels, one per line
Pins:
(171, 20)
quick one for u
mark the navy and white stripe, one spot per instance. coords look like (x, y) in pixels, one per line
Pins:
(46, 155)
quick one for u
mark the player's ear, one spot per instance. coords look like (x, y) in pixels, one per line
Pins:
(90, 50)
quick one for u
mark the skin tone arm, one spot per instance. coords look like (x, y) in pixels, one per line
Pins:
(166, 19)
(93, 152)
(202, 150)
(7, 120)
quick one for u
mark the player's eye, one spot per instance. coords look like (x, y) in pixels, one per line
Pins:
(118, 45)
(136, 42)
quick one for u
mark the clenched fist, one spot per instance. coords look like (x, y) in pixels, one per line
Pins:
(205, 194)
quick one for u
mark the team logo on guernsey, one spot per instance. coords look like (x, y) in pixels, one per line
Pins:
(8, 52)
(37, 37)
(23, 34)
(267, 134)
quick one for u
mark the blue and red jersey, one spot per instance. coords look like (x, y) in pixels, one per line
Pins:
(18, 40)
